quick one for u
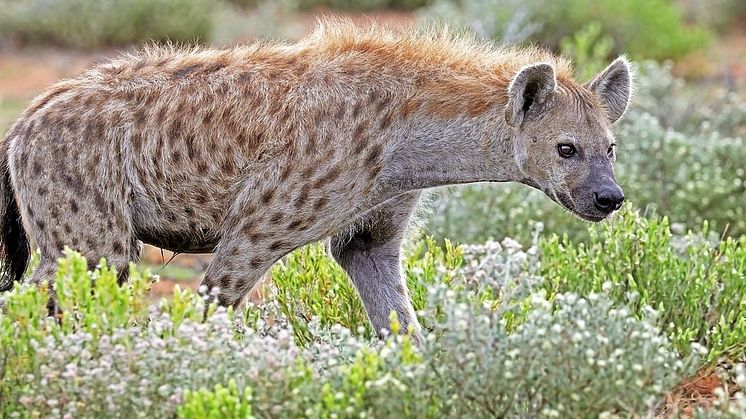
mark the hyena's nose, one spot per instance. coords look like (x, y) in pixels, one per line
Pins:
(608, 199)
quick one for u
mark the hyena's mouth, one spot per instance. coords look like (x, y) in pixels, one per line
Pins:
(569, 204)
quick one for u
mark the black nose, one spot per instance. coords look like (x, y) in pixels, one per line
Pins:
(608, 199)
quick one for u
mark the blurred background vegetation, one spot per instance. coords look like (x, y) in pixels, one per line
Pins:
(682, 150)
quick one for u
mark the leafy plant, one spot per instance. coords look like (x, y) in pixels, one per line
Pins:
(697, 286)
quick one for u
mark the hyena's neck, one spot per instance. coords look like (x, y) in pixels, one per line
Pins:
(433, 151)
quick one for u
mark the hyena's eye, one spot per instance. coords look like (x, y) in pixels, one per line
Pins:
(566, 150)
(610, 151)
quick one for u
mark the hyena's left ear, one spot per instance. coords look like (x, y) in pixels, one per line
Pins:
(613, 86)
(528, 92)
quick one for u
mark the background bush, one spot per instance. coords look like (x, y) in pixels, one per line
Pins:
(352, 5)
(95, 23)
(641, 28)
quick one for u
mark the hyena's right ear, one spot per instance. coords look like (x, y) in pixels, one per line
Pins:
(614, 87)
(530, 89)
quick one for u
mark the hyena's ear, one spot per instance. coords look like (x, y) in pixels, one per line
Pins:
(613, 86)
(528, 91)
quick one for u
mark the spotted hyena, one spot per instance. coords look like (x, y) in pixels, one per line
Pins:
(254, 151)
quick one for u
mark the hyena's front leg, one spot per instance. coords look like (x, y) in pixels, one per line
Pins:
(234, 271)
(371, 257)
(249, 246)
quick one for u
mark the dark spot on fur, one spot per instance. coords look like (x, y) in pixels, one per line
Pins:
(99, 201)
(256, 236)
(295, 224)
(357, 109)
(215, 67)
(137, 141)
(320, 203)
(302, 197)
(280, 244)
(40, 224)
(73, 206)
(73, 182)
(185, 71)
(276, 217)
(176, 128)
(248, 227)
(308, 171)
(256, 262)
(208, 117)
(329, 177)
(118, 248)
(267, 196)
(286, 173)
(228, 166)
(386, 121)
(373, 155)
(224, 280)
(191, 151)
(311, 143)
(341, 110)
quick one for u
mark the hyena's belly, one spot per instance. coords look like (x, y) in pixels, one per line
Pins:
(182, 215)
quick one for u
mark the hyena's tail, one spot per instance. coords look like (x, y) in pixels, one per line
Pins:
(14, 245)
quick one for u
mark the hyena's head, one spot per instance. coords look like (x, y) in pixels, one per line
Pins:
(564, 145)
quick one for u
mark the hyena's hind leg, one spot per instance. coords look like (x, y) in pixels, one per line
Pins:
(371, 257)
(96, 228)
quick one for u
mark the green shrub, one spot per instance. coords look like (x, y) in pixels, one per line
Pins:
(640, 28)
(589, 48)
(96, 23)
(218, 404)
(697, 286)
